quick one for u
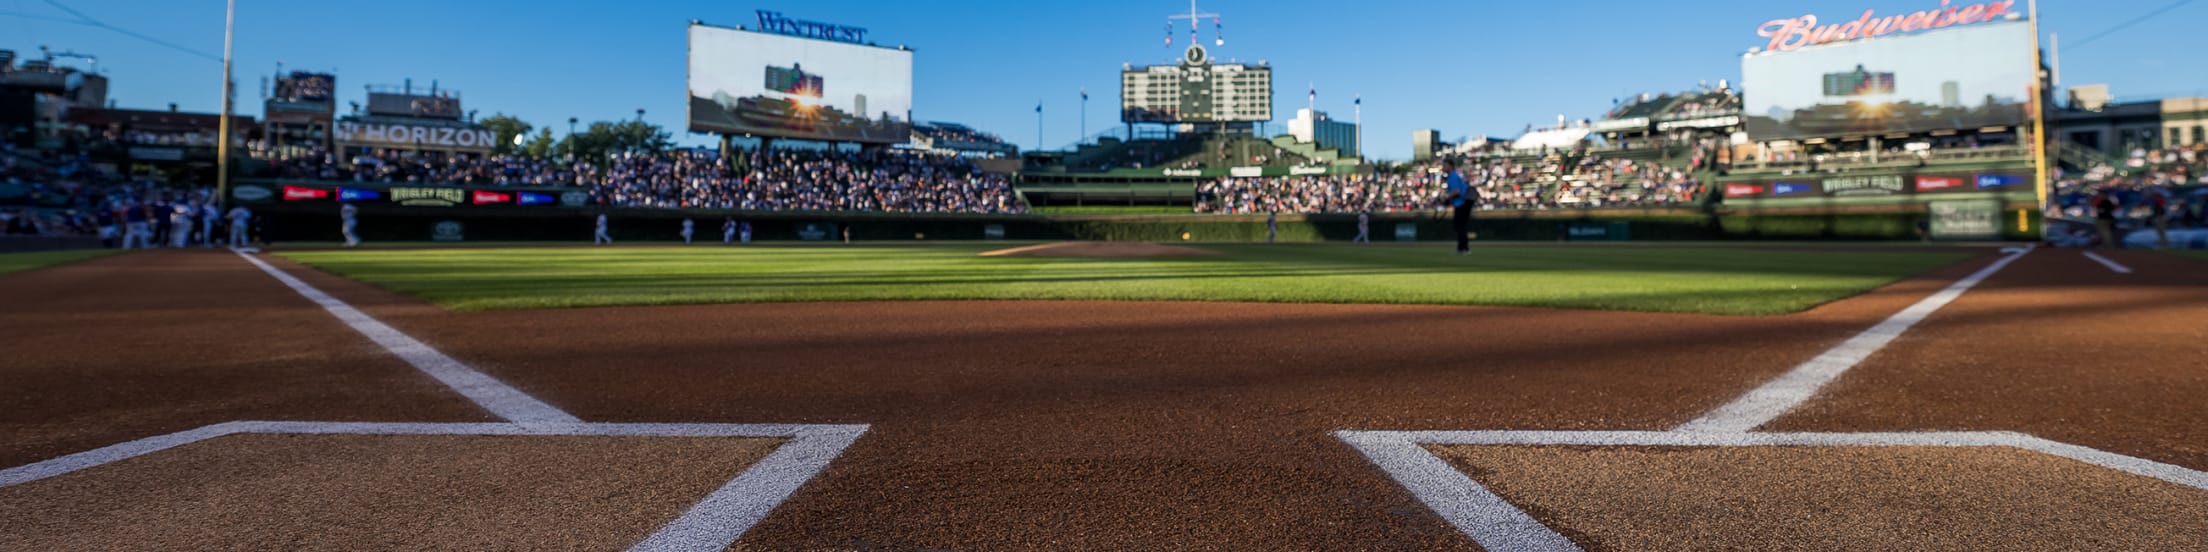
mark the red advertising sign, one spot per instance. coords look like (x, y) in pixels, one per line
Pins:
(1929, 183)
(297, 193)
(482, 197)
(1738, 190)
(1797, 32)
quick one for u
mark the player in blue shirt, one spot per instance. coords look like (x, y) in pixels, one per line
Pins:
(1461, 198)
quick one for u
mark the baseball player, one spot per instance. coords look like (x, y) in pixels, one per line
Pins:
(351, 218)
(207, 217)
(180, 224)
(135, 232)
(687, 226)
(1461, 198)
(1271, 228)
(239, 216)
(1364, 228)
(601, 238)
(743, 232)
(728, 231)
(109, 231)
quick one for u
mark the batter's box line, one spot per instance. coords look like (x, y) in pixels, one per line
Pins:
(1497, 525)
(713, 523)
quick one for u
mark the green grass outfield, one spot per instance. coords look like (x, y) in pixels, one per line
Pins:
(2194, 253)
(18, 262)
(1717, 280)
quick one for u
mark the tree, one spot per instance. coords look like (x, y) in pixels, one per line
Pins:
(540, 147)
(605, 138)
(503, 129)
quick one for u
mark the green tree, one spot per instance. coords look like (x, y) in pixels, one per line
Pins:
(504, 128)
(605, 138)
(540, 147)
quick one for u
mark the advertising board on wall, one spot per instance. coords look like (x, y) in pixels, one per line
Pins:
(404, 136)
(1878, 185)
(744, 82)
(1966, 220)
(266, 191)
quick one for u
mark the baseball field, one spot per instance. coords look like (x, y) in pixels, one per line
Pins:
(1106, 396)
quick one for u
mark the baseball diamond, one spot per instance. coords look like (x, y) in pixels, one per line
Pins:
(1888, 283)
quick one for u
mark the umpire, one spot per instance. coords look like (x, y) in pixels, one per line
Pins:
(1461, 198)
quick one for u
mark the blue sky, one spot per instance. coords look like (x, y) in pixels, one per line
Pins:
(1466, 68)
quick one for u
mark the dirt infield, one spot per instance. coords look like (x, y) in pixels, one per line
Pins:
(1101, 250)
(1836, 498)
(354, 492)
(129, 346)
(2058, 347)
(1102, 425)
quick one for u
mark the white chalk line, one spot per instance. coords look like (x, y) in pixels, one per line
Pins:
(714, 523)
(1778, 396)
(495, 396)
(1497, 525)
(2113, 266)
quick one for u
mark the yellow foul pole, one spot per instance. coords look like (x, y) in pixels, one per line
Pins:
(2039, 120)
(222, 134)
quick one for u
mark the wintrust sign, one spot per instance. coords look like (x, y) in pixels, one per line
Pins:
(1797, 32)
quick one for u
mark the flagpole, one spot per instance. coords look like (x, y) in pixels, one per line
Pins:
(1084, 116)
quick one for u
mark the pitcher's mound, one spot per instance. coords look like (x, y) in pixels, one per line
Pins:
(1100, 249)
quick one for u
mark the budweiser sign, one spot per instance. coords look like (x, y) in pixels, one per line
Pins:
(1794, 33)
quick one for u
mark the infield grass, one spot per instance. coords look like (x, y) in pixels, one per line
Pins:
(18, 262)
(1714, 280)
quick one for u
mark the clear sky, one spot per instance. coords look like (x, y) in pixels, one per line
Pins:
(1466, 68)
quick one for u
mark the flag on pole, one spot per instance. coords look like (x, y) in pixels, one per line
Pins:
(1038, 107)
(1168, 34)
(1084, 93)
(1360, 101)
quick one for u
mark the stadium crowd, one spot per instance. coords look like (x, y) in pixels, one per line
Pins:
(776, 180)
(2143, 186)
(67, 196)
(1553, 180)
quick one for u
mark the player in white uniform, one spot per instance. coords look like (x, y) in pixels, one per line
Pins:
(351, 218)
(728, 231)
(1364, 228)
(180, 223)
(239, 216)
(601, 238)
(687, 227)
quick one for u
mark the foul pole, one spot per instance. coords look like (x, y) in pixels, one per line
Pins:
(222, 133)
(2039, 123)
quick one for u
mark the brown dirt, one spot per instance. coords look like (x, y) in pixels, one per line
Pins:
(2055, 346)
(1836, 498)
(1101, 250)
(1120, 425)
(362, 492)
(128, 346)
(1052, 425)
